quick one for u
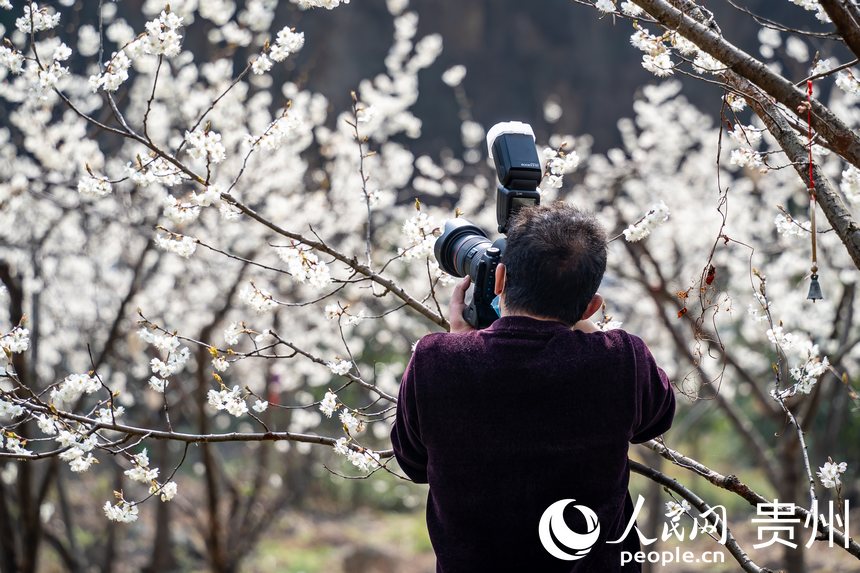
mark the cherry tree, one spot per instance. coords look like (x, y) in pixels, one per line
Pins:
(140, 307)
(202, 251)
(781, 153)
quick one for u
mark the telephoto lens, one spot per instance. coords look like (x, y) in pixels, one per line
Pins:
(459, 246)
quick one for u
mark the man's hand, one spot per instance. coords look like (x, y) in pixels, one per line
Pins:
(457, 305)
(586, 326)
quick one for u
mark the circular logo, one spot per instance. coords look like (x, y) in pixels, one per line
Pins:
(579, 544)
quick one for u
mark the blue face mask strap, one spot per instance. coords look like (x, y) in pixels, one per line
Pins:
(496, 307)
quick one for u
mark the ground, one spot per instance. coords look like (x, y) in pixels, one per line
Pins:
(368, 541)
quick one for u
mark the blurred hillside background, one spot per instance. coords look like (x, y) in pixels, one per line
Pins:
(517, 54)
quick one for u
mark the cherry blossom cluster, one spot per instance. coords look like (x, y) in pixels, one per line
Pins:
(37, 19)
(233, 332)
(813, 6)
(258, 298)
(145, 186)
(327, 4)
(155, 171)
(675, 510)
(176, 356)
(11, 59)
(10, 409)
(287, 42)
(830, 473)
(339, 367)
(305, 266)
(16, 341)
(162, 38)
(73, 387)
(790, 227)
(94, 187)
(656, 215)
(329, 404)
(420, 232)
(206, 145)
(231, 400)
(79, 448)
(363, 459)
(122, 511)
(746, 138)
(850, 183)
(809, 365)
(182, 245)
(657, 50)
(559, 162)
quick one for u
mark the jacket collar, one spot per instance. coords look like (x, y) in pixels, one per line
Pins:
(526, 323)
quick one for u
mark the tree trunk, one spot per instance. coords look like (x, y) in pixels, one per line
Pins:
(8, 554)
(163, 558)
(112, 532)
(31, 525)
(215, 550)
(792, 558)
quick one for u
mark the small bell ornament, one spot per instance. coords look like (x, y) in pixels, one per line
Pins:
(814, 289)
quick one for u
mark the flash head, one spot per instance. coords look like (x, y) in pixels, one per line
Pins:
(511, 145)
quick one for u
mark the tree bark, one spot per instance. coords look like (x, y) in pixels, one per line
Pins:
(749, 75)
(671, 15)
(792, 557)
(8, 553)
(110, 547)
(844, 22)
(163, 558)
(216, 553)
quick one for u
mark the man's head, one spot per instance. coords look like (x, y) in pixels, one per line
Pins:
(554, 261)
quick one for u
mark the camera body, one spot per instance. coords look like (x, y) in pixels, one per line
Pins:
(465, 249)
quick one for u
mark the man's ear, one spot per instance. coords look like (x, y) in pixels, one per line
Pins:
(593, 306)
(500, 279)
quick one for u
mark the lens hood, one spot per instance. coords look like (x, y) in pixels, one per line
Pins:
(446, 245)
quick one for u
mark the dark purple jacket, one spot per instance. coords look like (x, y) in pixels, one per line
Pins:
(503, 422)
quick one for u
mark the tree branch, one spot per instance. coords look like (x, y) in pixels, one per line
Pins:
(680, 16)
(733, 484)
(737, 552)
(844, 22)
(352, 262)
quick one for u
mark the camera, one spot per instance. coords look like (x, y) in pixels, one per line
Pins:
(465, 249)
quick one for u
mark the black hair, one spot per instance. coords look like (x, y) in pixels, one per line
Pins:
(554, 260)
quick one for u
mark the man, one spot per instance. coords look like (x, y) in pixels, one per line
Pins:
(539, 407)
